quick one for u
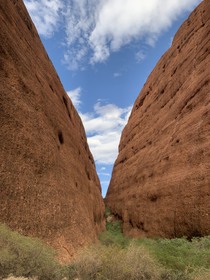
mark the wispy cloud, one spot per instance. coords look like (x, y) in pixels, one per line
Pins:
(104, 174)
(140, 56)
(103, 168)
(117, 75)
(46, 15)
(103, 127)
(96, 28)
(101, 27)
(75, 96)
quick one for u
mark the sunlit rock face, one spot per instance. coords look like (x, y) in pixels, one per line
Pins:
(48, 183)
(161, 179)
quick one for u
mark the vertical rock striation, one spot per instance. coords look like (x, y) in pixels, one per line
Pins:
(48, 183)
(161, 179)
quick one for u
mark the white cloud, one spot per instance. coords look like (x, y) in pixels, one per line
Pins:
(103, 128)
(117, 75)
(75, 96)
(103, 168)
(45, 15)
(79, 21)
(104, 174)
(140, 56)
(96, 28)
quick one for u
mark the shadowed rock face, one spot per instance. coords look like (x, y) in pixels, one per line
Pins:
(48, 183)
(161, 179)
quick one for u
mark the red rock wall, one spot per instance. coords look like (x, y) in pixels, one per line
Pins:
(48, 183)
(161, 179)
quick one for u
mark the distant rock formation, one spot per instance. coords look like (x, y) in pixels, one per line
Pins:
(48, 183)
(161, 179)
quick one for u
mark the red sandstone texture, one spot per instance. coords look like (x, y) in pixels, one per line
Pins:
(48, 183)
(161, 179)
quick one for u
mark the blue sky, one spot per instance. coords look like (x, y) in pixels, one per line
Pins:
(103, 51)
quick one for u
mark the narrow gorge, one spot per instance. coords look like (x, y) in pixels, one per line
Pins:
(160, 184)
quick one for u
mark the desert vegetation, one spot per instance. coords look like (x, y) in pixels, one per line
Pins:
(114, 257)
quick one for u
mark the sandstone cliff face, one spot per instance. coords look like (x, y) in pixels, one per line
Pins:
(48, 183)
(161, 179)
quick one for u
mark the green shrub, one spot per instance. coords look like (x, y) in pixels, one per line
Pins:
(114, 262)
(113, 235)
(179, 253)
(116, 257)
(27, 257)
(107, 212)
(181, 259)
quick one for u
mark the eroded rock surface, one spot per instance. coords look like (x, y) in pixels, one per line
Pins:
(161, 179)
(48, 182)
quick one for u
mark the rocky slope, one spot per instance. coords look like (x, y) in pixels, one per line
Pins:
(48, 182)
(161, 179)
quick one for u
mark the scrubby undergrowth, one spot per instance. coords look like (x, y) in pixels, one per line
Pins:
(115, 257)
(24, 256)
